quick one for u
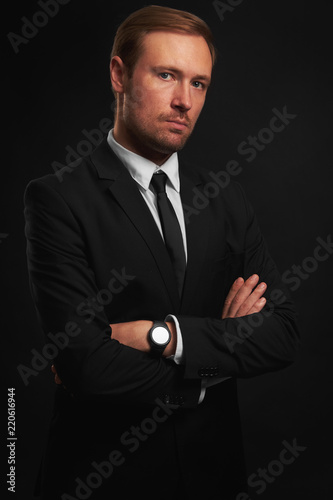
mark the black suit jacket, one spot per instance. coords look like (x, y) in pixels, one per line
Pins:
(96, 257)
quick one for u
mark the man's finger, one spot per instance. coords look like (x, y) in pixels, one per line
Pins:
(258, 306)
(242, 295)
(238, 283)
(56, 376)
(248, 305)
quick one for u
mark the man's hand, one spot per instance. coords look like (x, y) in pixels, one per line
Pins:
(56, 376)
(244, 298)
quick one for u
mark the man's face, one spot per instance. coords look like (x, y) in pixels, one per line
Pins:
(165, 95)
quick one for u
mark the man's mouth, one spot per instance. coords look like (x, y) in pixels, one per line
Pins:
(178, 124)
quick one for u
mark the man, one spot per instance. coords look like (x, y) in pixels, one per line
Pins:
(156, 313)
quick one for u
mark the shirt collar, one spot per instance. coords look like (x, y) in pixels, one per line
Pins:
(142, 169)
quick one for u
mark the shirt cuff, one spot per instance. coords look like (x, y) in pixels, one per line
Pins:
(203, 390)
(178, 357)
(205, 383)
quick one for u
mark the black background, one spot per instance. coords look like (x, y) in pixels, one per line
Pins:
(271, 54)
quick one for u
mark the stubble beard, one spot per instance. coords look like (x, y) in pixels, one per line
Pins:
(161, 141)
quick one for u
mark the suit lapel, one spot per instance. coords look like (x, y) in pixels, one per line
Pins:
(125, 191)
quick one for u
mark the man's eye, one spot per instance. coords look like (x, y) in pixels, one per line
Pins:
(198, 85)
(165, 76)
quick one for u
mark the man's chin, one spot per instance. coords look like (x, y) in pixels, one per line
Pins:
(171, 144)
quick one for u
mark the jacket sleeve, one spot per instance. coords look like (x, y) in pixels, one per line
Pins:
(89, 362)
(253, 344)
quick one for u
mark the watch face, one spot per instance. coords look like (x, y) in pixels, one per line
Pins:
(160, 335)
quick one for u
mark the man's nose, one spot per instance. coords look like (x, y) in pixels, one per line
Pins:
(182, 97)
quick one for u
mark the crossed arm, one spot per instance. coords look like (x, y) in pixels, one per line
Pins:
(92, 366)
(244, 298)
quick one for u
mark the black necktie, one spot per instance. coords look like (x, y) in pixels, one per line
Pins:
(171, 229)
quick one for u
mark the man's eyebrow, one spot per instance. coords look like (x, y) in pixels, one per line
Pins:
(207, 79)
(175, 70)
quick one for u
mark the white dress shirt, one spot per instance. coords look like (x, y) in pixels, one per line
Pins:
(142, 171)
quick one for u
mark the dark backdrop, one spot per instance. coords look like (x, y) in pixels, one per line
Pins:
(272, 55)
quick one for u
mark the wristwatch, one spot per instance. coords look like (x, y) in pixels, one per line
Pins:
(159, 337)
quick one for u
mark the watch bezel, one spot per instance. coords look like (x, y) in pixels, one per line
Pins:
(156, 347)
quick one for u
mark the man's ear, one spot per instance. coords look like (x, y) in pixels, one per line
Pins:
(117, 74)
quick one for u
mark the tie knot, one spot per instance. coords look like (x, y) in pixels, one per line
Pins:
(158, 182)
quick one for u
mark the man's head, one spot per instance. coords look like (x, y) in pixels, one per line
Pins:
(161, 66)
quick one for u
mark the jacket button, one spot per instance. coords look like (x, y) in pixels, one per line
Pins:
(208, 371)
